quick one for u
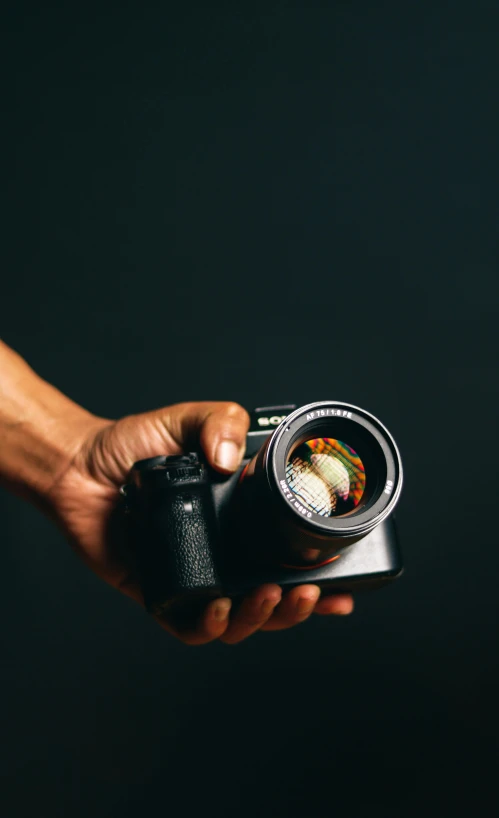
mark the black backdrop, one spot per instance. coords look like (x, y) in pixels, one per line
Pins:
(269, 204)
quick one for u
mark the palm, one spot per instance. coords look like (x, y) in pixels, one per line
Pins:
(87, 495)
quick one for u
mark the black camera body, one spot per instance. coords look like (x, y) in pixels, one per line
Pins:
(304, 507)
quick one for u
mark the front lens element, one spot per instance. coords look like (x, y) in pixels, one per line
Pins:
(327, 476)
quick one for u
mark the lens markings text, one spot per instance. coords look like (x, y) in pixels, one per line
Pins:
(324, 412)
(291, 497)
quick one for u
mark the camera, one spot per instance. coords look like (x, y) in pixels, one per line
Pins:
(311, 503)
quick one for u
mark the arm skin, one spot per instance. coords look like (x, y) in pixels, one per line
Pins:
(71, 464)
(40, 429)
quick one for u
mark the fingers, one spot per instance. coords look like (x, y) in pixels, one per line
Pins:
(296, 607)
(211, 625)
(299, 603)
(338, 604)
(254, 611)
(264, 609)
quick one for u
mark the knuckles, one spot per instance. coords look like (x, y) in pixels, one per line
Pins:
(230, 418)
(236, 413)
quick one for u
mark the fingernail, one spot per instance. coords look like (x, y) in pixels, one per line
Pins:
(305, 604)
(228, 455)
(268, 606)
(221, 610)
(343, 612)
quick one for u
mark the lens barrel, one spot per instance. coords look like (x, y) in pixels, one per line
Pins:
(331, 473)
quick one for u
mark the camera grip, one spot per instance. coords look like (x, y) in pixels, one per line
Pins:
(174, 534)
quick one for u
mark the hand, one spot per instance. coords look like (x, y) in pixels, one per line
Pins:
(83, 498)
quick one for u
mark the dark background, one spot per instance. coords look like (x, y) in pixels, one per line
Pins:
(275, 203)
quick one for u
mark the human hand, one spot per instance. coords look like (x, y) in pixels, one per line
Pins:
(84, 496)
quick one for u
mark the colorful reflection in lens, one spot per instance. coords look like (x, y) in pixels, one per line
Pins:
(327, 476)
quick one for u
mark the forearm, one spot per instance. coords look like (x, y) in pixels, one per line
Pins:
(40, 429)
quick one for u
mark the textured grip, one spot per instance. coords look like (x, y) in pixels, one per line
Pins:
(175, 534)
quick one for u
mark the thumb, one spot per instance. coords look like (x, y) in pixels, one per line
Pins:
(220, 427)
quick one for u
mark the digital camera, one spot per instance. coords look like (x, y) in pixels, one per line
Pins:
(311, 503)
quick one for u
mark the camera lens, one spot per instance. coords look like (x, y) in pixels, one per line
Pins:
(330, 471)
(327, 476)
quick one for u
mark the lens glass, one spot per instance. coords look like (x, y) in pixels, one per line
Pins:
(327, 476)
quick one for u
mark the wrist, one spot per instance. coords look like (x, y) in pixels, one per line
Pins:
(41, 430)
